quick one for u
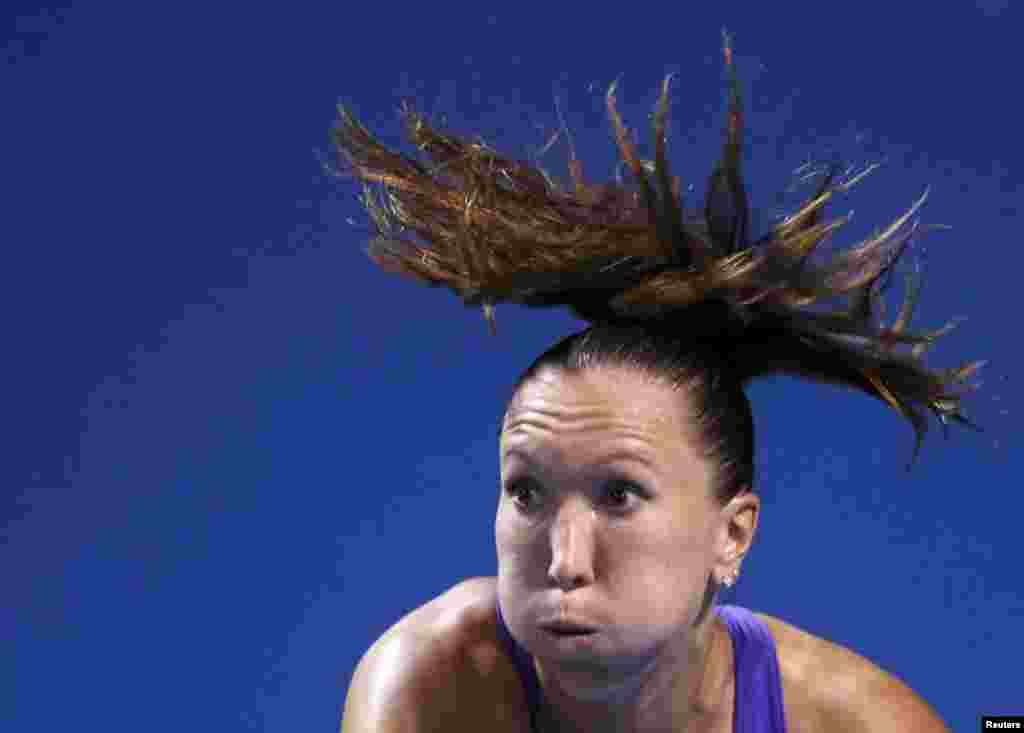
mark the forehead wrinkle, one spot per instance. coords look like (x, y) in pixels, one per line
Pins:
(583, 421)
(557, 407)
(622, 440)
(552, 393)
(638, 421)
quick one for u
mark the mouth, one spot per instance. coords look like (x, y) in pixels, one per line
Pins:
(564, 628)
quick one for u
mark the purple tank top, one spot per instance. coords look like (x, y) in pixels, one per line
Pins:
(758, 687)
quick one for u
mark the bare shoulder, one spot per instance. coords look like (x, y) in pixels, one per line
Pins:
(439, 667)
(829, 687)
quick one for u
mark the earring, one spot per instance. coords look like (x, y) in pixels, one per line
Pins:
(729, 579)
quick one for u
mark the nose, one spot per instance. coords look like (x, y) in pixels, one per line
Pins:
(572, 548)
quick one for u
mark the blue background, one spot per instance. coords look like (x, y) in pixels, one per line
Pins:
(235, 452)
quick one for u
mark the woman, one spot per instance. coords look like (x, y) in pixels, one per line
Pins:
(627, 449)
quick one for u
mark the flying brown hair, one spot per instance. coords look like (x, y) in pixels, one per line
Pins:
(497, 230)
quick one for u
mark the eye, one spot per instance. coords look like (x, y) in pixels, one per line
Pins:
(521, 491)
(619, 493)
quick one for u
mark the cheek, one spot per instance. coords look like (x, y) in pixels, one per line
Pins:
(504, 532)
(512, 543)
(660, 577)
(515, 571)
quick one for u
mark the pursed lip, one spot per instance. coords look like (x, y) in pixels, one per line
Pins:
(564, 626)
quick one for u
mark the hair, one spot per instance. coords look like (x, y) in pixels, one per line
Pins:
(685, 295)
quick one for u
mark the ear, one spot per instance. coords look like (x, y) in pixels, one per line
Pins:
(734, 533)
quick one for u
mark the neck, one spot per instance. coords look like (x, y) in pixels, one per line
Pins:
(682, 688)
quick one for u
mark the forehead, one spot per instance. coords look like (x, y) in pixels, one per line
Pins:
(600, 409)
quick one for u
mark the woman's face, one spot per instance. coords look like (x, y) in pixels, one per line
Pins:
(606, 518)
